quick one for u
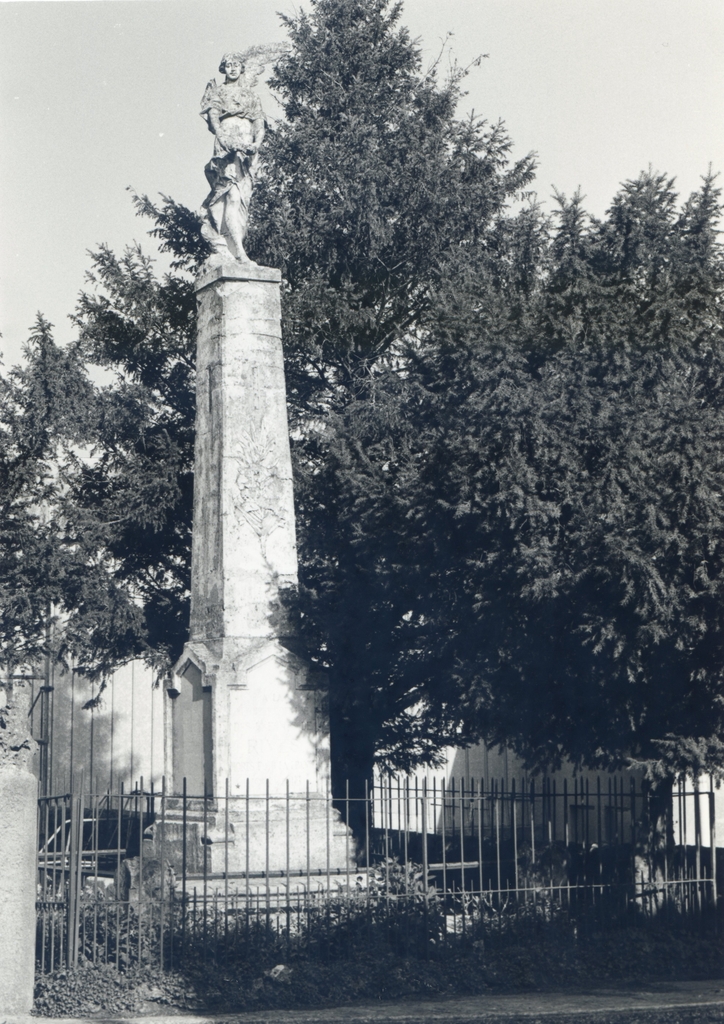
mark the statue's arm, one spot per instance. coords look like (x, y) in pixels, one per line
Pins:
(214, 120)
(259, 128)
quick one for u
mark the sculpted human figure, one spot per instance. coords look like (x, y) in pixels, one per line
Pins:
(233, 113)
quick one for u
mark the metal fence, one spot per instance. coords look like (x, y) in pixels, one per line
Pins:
(152, 877)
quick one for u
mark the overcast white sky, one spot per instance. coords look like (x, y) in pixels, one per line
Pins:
(97, 95)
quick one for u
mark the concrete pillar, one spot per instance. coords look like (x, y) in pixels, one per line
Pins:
(18, 869)
(246, 698)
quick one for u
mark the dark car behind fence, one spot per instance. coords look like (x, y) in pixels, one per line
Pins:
(147, 877)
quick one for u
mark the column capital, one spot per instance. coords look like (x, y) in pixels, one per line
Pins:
(236, 272)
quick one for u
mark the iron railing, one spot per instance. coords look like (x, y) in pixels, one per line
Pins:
(149, 876)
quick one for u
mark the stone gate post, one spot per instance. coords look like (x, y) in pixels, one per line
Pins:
(18, 853)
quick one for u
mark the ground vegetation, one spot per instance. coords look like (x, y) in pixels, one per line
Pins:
(533, 964)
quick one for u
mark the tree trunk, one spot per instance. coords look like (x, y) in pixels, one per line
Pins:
(352, 756)
(654, 852)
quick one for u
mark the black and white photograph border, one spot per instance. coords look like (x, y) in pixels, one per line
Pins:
(361, 510)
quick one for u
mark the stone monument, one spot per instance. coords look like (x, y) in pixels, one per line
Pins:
(244, 708)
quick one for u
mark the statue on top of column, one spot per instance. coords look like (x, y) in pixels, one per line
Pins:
(233, 113)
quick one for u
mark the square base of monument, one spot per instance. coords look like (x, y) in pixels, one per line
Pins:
(298, 835)
(246, 714)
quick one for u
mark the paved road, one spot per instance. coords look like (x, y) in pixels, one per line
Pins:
(665, 1003)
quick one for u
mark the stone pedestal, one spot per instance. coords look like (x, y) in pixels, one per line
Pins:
(244, 707)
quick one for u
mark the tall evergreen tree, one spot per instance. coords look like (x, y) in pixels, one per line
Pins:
(138, 487)
(372, 187)
(534, 516)
(58, 590)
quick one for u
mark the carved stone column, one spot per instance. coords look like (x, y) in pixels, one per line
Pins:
(243, 705)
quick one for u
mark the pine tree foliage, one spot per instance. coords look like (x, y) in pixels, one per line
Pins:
(533, 519)
(58, 591)
(139, 485)
(372, 186)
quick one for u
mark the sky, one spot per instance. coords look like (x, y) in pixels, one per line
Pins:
(97, 96)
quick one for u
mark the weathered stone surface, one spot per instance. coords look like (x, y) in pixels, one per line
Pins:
(18, 868)
(16, 744)
(18, 817)
(244, 707)
(244, 546)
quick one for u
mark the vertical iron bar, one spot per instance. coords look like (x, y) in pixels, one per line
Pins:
(119, 828)
(267, 822)
(443, 830)
(346, 831)
(697, 838)
(369, 797)
(51, 724)
(532, 820)
(407, 831)
(497, 844)
(712, 841)
(288, 866)
(246, 862)
(226, 869)
(451, 796)
(425, 860)
(309, 884)
(515, 843)
(586, 824)
(386, 818)
(480, 836)
(204, 905)
(548, 809)
(71, 882)
(328, 841)
(140, 873)
(78, 870)
(43, 825)
(633, 820)
(399, 830)
(462, 851)
(184, 865)
(94, 847)
(163, 873)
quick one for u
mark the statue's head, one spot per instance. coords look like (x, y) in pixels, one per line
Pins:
(232, 58)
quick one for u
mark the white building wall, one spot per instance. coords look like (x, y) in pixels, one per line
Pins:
(501, 768)
(121, 741)
(691, 829)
